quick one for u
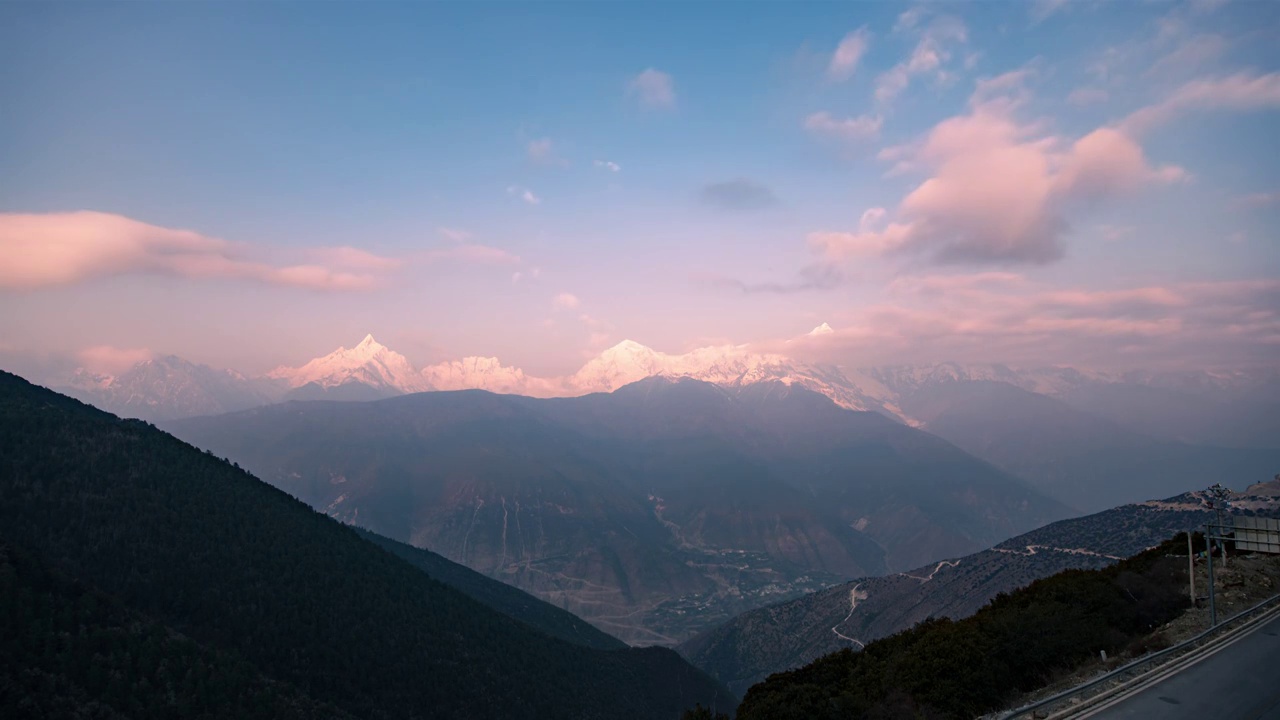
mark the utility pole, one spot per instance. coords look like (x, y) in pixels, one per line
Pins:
(1191, 568)
(1208, 546)
(1219, 495)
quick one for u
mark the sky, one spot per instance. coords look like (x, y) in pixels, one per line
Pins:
(254, 184)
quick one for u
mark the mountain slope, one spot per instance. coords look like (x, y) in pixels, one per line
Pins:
(68, 651)
(499, 596)
(1086, 461)
(787, 635)
(652, 512)
(208, 550)
(168, 387)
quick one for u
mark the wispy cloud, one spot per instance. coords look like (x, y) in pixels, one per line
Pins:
(739, 194)
(112, 360)
(863, 127)
(1258, 200)
(542, 151)
(524, 194)
(819, 276)
(454, 234)
(65, 248)
(608, 165)
(988, 317)
(472, 253)
(1240, 92)
(654, 89)
(565, 301)
(1042, 9)
(934, 48)
(845, 59)
(1088, 96)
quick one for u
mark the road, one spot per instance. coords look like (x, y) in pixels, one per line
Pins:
(1240, 681)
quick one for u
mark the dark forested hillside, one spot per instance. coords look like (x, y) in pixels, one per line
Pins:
(68, 651)
(205, 549)
(962, 669)
(499, 596)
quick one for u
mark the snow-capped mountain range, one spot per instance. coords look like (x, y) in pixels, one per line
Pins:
(169, 387)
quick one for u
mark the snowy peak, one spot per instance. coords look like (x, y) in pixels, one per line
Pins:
(729, 366)
(368, 363)
(823, 329)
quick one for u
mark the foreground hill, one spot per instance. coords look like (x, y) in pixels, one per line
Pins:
(68, 651)
(204, 549)
(962, 669)
(787, 635)
(655, 511)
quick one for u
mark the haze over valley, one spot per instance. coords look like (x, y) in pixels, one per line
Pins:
(670, 361)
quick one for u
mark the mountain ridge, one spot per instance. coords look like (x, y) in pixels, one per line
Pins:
(207, 549)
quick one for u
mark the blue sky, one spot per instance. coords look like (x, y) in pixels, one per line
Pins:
(421, 134)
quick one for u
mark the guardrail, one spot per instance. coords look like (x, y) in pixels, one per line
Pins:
(1212, 633)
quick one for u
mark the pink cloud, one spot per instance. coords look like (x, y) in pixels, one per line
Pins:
(997, 317)
(844, 61)
(565, 301)
(1242, 91)
(112, 360)
(997, 188)
(65, 248)
(354, 258)
(473, 253)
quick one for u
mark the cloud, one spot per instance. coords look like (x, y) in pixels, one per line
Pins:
(1258, 200)
(1042, 9)
(990, 317)
(863, 127)
(1114, 233)
(608, 165)
(844, 61)
(818, 276)
(1242, 91)
(472, 253)
(997, 188)
(524, 194)
(1088, 96)
(112, 360)
(454, 234)
(43, 250)
(1191, 54)
(654, 88)
(565, 301)
(354, 259)
(542, 152)
(933, 50)
(532, 273)
(739, 194)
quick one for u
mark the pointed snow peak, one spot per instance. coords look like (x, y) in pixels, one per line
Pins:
(823, 329)
(368, 340)
(629, 346)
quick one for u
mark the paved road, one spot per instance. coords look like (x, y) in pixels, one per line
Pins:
(1239, 682)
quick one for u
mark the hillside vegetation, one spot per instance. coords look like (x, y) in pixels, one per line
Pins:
(961, 669)
(195, 545)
